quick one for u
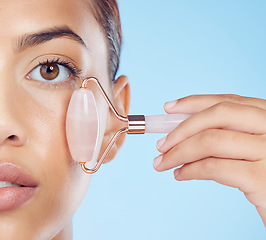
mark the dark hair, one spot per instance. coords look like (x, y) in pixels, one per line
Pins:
(107, 14)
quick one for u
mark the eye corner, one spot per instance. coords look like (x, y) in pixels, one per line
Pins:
(28, 77)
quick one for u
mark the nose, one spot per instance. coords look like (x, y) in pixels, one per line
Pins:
(12, 131)
(10, 134)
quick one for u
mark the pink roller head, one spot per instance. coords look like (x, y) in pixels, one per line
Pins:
(82, 125)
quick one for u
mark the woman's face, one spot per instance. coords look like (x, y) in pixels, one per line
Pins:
(44, 46)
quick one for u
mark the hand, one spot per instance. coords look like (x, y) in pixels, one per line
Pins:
(224, 140)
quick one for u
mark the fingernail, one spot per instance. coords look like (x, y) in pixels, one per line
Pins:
(157, 161)
(161, 143)
(176, 172)
(170, 105)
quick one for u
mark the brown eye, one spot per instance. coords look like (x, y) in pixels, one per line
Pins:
(49, 71)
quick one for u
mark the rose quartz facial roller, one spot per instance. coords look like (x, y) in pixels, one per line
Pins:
(82, 125)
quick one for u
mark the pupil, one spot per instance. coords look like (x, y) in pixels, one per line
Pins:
(49, 71)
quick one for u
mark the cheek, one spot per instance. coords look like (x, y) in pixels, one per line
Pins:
(63, 184)
(47, 118)
(58, 174)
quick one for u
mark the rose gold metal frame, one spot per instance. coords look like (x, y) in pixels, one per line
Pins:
(135, 125)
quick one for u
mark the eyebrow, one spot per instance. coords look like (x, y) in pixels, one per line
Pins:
(34, 39)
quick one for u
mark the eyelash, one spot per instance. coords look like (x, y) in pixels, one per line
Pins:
(74, 71)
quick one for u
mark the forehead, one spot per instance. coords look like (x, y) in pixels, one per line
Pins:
(18, 17)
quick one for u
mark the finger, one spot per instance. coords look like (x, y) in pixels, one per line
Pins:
(213, 143)
(225, 115)
(238, 174)
(197, 103)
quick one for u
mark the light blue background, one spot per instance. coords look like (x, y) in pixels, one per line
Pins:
(171, 49)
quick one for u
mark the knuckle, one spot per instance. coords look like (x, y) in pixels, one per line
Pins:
(209, 137)
(233, 97)
(209, 166)
(255, 177)
(222, 108)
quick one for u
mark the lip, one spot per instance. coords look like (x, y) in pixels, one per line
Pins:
(13, 197)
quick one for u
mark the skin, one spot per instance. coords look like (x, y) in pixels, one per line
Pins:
(35, 112)
(227, 135)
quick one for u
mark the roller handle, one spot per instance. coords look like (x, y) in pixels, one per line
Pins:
(164, 123)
